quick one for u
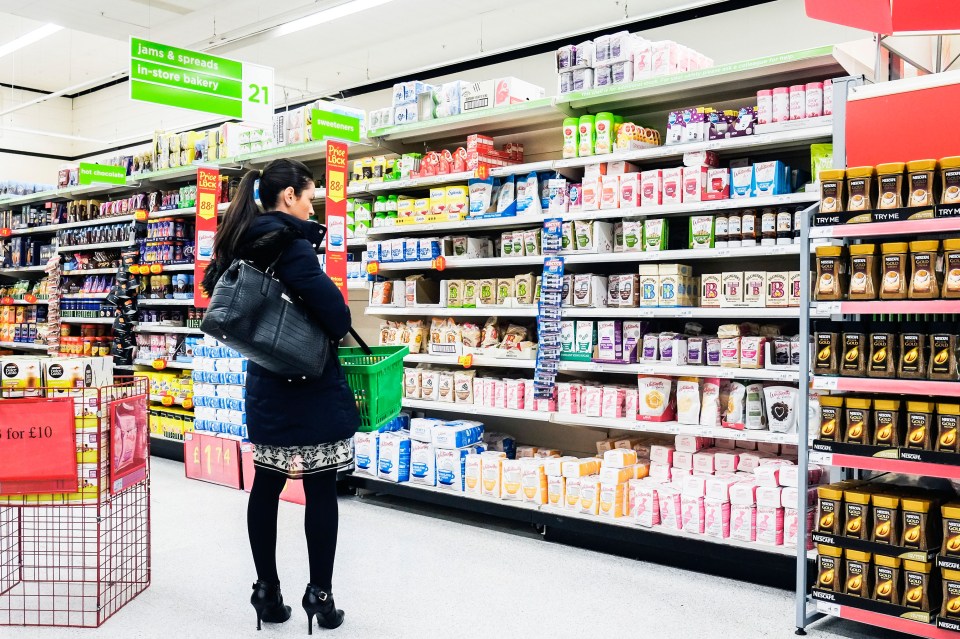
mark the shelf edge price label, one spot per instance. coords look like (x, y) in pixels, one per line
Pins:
(826, 383)
(373, 268)
(141, 215)
(440, 263)
(159, 364)
(465, 360)
(5, 232)
(156, 269)
(828, 608)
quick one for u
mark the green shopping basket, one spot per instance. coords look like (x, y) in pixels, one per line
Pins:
(376, 381)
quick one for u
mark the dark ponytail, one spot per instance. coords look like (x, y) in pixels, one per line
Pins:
(274, 178)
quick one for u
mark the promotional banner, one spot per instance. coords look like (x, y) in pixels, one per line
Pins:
(101, 174)
(208, 195)
(336, 209)
(194, 80)
(38, 443)
(129, 444)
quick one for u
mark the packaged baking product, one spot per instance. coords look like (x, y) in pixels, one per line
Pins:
(710, 414)
(463, 386)
(491, 333)
(735, 406)
(445, 386)
(470, 335)
(513, 337)
(754, 415)
(411, 383)
(524, 288)
(655, 398)
(688, 400)
(781, 403)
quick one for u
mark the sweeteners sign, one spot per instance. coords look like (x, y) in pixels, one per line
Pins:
(172, 76)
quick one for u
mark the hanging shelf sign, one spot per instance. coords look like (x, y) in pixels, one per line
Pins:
(198, 81)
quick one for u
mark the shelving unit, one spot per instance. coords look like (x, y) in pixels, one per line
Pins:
(852, 459)
(172, 330)
(612, 313)
(24, 346)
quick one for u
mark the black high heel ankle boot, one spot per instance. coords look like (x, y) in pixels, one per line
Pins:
(268, 602)
(319, 604)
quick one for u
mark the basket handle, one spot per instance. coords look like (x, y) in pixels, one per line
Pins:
(360, 342)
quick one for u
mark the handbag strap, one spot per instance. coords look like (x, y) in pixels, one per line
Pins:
(360, 342)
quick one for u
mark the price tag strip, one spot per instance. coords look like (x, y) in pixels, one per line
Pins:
(548, 311)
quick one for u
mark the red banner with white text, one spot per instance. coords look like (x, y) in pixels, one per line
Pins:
(336, 215)
(208, 195)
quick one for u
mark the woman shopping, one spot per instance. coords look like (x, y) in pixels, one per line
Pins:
(301, 426)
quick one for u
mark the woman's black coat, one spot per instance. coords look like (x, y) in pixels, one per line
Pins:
(285, 411)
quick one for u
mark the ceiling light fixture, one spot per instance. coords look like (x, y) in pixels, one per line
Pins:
(29, 38)
(327, 15)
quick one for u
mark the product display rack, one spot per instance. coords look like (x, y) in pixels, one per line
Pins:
(854, 460)
(534, 121)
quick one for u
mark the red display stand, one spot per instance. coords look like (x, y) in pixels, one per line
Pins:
(75, 555)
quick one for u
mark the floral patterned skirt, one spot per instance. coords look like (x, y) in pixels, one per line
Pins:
(297, 461)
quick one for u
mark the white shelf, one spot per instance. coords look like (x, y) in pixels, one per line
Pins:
(357, 285)
(771, 201)
(16, 271)
(603, 258)
(600, 313)
(414, 183)
(93, 271)
(172, 330)
(463, 226)
(606, 423)
(95, 247)
(144, 301)
(26, 303)
(21, 346)
(479, 361)
(417, 311)
(467, 225)
(88, 320)
(626, 522)
(53, 228)
(84, 296)
(778, 140)
(170, 364)
(178, 268)
(470, 409)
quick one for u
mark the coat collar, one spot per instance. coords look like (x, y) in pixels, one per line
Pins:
(313, 231)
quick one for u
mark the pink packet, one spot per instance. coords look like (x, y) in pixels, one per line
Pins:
(717, 518)
(743, 522)
(692, 512)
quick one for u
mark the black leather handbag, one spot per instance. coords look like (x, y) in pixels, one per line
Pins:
(252, 312)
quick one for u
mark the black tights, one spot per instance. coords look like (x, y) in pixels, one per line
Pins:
(320, 523)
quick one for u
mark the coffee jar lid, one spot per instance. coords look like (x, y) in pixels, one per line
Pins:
(921, 165)
(925, 245)
(890, 168)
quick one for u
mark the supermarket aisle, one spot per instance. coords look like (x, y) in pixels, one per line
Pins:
(400, 574)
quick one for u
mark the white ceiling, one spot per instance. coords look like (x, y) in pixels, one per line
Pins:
(396, 38)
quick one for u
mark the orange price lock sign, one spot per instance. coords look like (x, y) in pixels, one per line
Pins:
(188, 403)
(159, 364)
(6, 300)
(167, 400)
(465, 360)
(440, 263)
(5, 232)
(141, 215)
(482, 172)
(373, 268)
(145, 269)
(30, 299)
(155, 269)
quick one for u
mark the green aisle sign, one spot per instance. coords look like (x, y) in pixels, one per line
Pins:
(171, 76)
(327, 124)
(101, 174)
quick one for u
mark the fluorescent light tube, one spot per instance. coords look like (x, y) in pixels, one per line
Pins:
(28, 38)
(327, 15)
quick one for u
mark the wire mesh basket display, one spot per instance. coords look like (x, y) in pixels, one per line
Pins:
(76, 558)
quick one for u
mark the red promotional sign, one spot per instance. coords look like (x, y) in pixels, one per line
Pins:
(889, 16)
(208, 194)
(336, 209)
(38, 442)
(890, 104)
(129, 443)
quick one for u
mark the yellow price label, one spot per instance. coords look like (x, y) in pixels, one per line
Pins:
(337, 186)
(207, 205)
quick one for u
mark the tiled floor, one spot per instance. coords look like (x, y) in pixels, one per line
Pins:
(403, 574)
